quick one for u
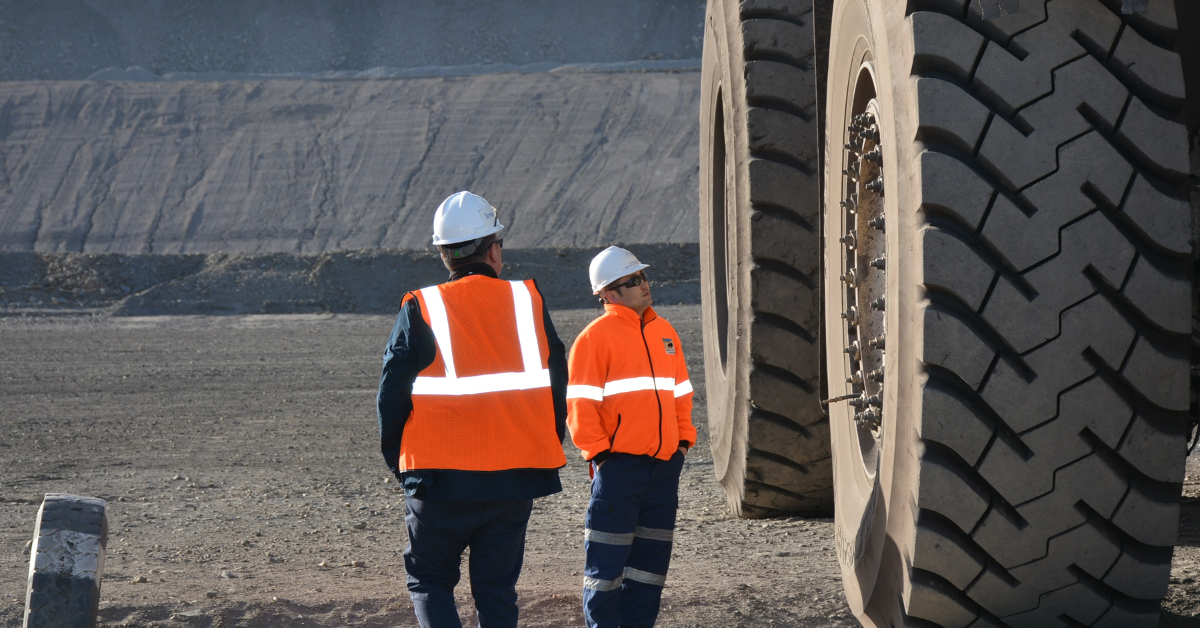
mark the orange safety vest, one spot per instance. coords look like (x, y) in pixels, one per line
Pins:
(485, 403)
(629, 390)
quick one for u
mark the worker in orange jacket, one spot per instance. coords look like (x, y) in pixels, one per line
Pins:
(629, 409)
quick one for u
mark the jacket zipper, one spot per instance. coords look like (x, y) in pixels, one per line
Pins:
(656, 397)
(612, 442)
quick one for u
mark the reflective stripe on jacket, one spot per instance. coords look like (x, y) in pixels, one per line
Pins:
(485, 403)
(628, 389)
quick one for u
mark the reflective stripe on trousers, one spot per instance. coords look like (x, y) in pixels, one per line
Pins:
(628, 539)
(534, 376)
(636, 575)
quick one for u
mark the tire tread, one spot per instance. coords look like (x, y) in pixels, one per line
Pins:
(1075, 505)
(787, 467)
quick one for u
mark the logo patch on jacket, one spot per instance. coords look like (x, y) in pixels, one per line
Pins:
(669, 345)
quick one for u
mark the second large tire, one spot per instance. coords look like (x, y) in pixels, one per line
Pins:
(1029, 462)
(760, 257)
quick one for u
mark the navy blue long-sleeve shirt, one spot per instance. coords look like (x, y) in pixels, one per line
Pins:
(410, 349)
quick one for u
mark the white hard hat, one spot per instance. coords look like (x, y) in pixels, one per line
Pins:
(610, 265)
(464, 217)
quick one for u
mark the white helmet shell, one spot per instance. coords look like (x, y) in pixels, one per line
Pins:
(464, 217)
(610, 265)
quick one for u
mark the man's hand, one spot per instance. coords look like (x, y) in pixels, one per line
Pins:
(683, 450)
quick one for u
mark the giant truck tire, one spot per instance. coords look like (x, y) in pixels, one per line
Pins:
(760, 257)
(1007, 281)
(66, 562)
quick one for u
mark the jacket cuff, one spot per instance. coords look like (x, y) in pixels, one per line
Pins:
(685, 444)
(601, 457)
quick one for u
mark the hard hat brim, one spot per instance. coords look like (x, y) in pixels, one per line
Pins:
(483, 233)
(598, 288)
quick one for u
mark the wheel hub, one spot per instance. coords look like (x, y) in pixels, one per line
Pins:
(864, 275)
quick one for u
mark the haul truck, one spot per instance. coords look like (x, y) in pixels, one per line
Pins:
(947, 267)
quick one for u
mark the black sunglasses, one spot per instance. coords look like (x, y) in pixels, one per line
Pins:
(633, 282)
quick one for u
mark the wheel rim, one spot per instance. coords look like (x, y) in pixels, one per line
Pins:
(864, 271)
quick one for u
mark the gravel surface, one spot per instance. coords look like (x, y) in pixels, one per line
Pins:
(239, 453)
(239, 458)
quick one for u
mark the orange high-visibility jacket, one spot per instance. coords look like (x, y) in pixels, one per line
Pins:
(485, 403)
(629, 390)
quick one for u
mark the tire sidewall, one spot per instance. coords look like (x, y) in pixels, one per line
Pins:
(726, 388)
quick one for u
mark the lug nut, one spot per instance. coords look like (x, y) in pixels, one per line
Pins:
(851, 315)
(852, 350)
(875, 185)
(876, 375)
(849, 240)
(873, 400)
(879, 262)
(878, 304)
(876, 222)
(848, 204)
(876, 343)
(871, 134)
(873, 156)
(850, 279)
(869, 418)
(856, 379)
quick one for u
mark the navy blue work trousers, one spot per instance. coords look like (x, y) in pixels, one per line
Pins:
(630, 527)
(438, 532)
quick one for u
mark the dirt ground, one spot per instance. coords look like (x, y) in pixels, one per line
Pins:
(240, 461)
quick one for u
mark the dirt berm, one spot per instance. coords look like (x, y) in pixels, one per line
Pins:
(366, 281)
(72, 39)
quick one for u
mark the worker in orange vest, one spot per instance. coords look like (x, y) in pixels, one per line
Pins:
(630, 413)
(472, 411)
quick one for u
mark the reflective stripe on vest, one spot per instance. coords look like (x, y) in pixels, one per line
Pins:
(534, 376)
(485, 402)
(632, 384)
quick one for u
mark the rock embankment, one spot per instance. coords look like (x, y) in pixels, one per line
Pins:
(571, 158)
(365, 281)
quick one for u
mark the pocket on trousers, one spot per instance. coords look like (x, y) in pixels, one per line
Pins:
(598, 512)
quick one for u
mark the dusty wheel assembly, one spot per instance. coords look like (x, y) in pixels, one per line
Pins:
(1004, 297)
(864, 262)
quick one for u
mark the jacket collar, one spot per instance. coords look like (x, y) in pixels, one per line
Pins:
(474, 269)
(627, 315)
